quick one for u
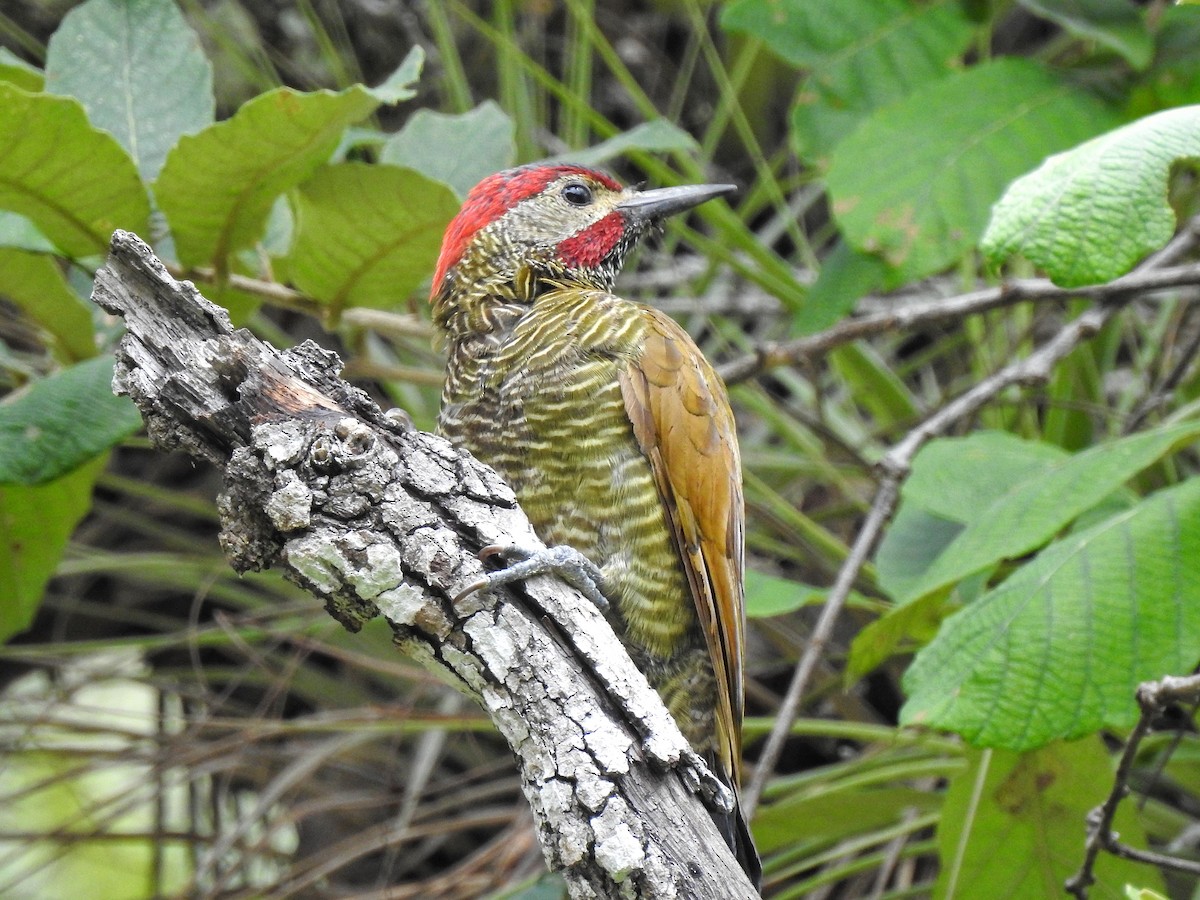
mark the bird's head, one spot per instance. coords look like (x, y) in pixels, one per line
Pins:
(522, 227)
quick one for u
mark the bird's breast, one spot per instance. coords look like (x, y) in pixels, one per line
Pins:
(545, 409)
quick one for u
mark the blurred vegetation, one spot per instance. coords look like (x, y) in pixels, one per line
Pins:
(171, 729)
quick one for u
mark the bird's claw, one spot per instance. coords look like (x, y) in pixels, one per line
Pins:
(566, 562)
(702, 780)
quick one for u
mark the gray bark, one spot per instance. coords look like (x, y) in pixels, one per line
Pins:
(376, 518)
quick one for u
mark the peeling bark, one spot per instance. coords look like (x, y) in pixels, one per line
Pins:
(376, 518)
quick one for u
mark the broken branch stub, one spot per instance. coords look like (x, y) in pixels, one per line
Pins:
(376, 518)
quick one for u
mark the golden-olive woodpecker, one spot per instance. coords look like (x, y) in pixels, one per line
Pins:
(612, 428)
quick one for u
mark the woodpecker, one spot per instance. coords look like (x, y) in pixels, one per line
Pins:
(611, 427)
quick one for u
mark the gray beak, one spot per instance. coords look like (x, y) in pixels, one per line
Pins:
(662, 202)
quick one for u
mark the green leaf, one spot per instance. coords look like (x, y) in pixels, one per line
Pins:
(458, 150)
(1087, 215)
(18, 232)
(35, 283)
(138, 70)
(864, 53)
(398, 86)
(903, 629)
(217, 187)
(19, 73)
(846, 276)
(1174, 78)
(1116, 24)
(1012, 824)
(1058, 649)
(913, 540)
(824, 817)
(57, 424)
(658, 136)
(819, 122)
(771, 595)
(1033, 509)
(367, 235)
(35, 523)
(860, 55)
(73, 181)
(915, 183)
(958, 478)
(873, 384)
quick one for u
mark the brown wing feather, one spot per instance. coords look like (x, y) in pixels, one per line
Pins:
(682, 421)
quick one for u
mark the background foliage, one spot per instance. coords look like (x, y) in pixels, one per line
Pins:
(170, 729)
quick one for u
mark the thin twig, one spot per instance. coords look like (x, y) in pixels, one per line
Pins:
(1153, 697)
(897, 463)
(1162, 393)
(931, 312)
(281, 296)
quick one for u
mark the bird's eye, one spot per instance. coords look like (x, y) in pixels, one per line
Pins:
(577, 194)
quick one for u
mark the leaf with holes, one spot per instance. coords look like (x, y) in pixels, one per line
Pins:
(1024, 814)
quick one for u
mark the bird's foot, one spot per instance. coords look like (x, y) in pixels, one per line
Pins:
(701, 779)
(566, 562)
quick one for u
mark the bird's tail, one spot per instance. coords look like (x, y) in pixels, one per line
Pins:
(736, 831)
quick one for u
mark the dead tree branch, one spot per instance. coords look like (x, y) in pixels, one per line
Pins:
(376, 518)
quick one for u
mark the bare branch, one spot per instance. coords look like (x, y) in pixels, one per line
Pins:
(281, 296)
(1153, 697)
(379, 519)
(950, 309)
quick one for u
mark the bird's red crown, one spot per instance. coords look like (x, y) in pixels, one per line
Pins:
(493, 197)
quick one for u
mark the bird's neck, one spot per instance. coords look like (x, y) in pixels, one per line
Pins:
(492, 305)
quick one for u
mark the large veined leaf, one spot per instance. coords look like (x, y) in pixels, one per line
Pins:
(915, 182)
(1034, 508)
(859, 54)
(1087, 215)
(367, 235)
(73, 181)
(1012, 824)
(973, 502)
(957, 478)
(218, 186)
(1058, 649)
(138, 70)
